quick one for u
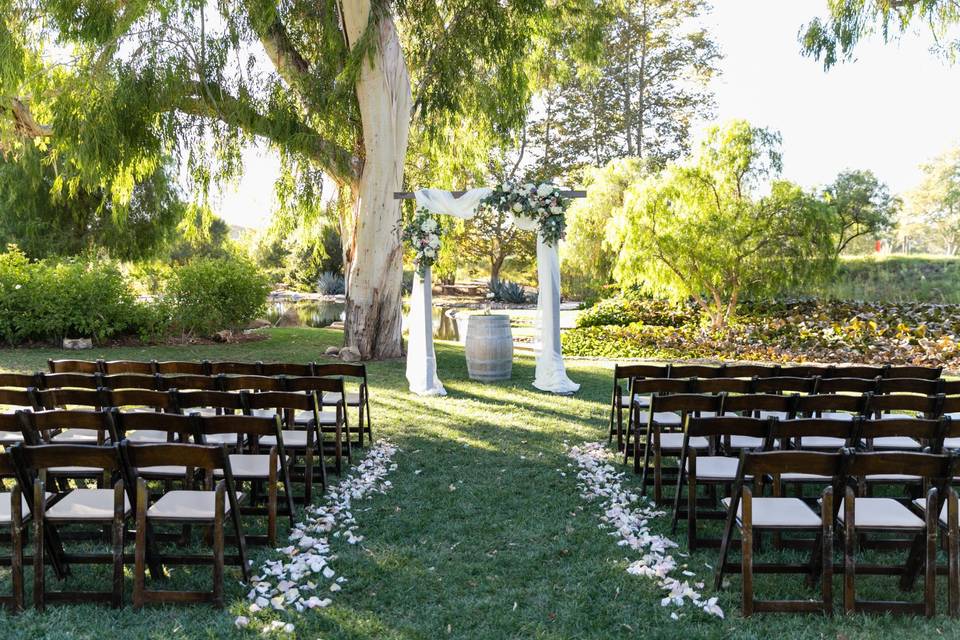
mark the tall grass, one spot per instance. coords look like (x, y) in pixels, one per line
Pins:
(895, 278)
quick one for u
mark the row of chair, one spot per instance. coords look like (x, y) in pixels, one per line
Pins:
(132, 483)
(842, 507)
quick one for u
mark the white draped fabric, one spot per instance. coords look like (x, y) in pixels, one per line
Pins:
(551, 375)
(421, 359)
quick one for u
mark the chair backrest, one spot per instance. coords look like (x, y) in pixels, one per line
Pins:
(18, 380)
(248, 425)
(686, 402)
(71, 381)
(730, 426)
(258, 383)
(74, 366)
(286, 369)
(950, 404)
(750, 370)
(198, 456)
(62, 398)
(759, 463)
(304, 401)
(910, 385)
(863, 371)
(179, 367)
(110, 367)
(929, 406)
(911, 371)
(125, 398)
(760, 402)
(11, 423)
(30, 459)
(627, 371)
(950, 387)
(8, 468)
(848, 385)
(720, 385)
(190, 381)
(695, 371)
(131, 381)
(801, 370)
(37, 423)
(236, 368)
(19, 398)
(345, 369)
(644, 386)
(929, 431)
(184, 401)
(781, 384)
(784, 430)
(314, 383)
(925, 465)
(831, 402)
(120, 423)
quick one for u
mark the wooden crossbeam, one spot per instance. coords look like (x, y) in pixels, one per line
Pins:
(408, 195)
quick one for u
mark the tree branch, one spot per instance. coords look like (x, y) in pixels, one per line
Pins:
(24, 123)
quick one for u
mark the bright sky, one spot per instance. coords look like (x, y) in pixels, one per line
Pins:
(893, 108)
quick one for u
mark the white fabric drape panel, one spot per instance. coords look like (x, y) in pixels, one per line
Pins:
(421, 358)
(551, 374)
(444, 202)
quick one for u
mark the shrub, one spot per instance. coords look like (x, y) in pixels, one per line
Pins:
(52, 300)
(208, 295)
(331, 284)
(509, 292)
(624, 310)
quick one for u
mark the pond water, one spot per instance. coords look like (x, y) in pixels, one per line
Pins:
(323, 313)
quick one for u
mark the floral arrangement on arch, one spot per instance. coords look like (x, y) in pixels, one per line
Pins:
(423, 234)
(542, 203)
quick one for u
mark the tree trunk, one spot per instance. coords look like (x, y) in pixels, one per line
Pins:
(374, 255)
(496, 263)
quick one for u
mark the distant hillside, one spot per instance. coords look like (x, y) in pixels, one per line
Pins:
(896, 278)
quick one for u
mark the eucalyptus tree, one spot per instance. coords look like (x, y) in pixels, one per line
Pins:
(334, 86)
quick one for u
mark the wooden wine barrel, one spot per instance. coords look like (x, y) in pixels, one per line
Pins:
(489, 347)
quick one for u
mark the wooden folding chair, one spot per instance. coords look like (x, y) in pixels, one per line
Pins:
(140, 400)
(101, 506)
(621, 399)
(330, 392)
(919, 386)
(69, 380)
(836, 407)
(305, 443)
(880, 407)
(69, 416)
(757, 405)
(948, 522)
(752, 515)
(858, 515)
(359, 399)
(646, 387)
(664, 435)
(116, 381)
(252, 466)
(210, 506)
(211, 403)
(68, 427)
(900, 434)
(718, 468)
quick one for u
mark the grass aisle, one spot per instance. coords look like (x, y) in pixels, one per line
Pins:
(480, 536)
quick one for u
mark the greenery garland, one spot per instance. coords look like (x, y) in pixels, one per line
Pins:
(542, 203)
(423, 234)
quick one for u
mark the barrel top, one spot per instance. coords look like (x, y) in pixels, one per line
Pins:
(494, 318)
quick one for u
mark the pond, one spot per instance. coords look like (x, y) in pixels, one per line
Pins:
(323, 313)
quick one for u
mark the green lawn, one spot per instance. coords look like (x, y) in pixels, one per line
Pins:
(487, 541)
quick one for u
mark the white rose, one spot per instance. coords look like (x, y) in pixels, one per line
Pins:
(428, 225)
(517, 207)
(556, 210)
(529, 186)
(541, 210)
(435, 242)
(429, 253)
(545, 189)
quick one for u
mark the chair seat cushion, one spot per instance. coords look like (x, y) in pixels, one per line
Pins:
(327, 418)
(660, 417)
(745, 442)
(921, 504)
(882, 513)
(203, 411)
(75, 471)
(951, 443)
(229, 439)
(674, 441)
(146, 435)
(897, 443)
(163, 471)
(804, 477)
(291, 439)
(248, 466)
(779, 415)
(75, 436)
(186, 505)
(822, 442)
(10, 437)
(6, 507)
(836, 415)
(892, 477)
(716, 467)
(353, 398)
(780, 513)
(86, 504)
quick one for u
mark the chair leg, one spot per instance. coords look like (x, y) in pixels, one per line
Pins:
(826, 553)
(746, 545)
(930, 569)
(271, 505)
(952, 554)
(725, 541)
(218, 551)
(692, 503)
(676, 497)
(849, 549)
(308, 473)
(140, 547)
(16, 548)
(39, 587)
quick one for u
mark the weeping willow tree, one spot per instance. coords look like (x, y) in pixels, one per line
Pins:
(337, 87)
